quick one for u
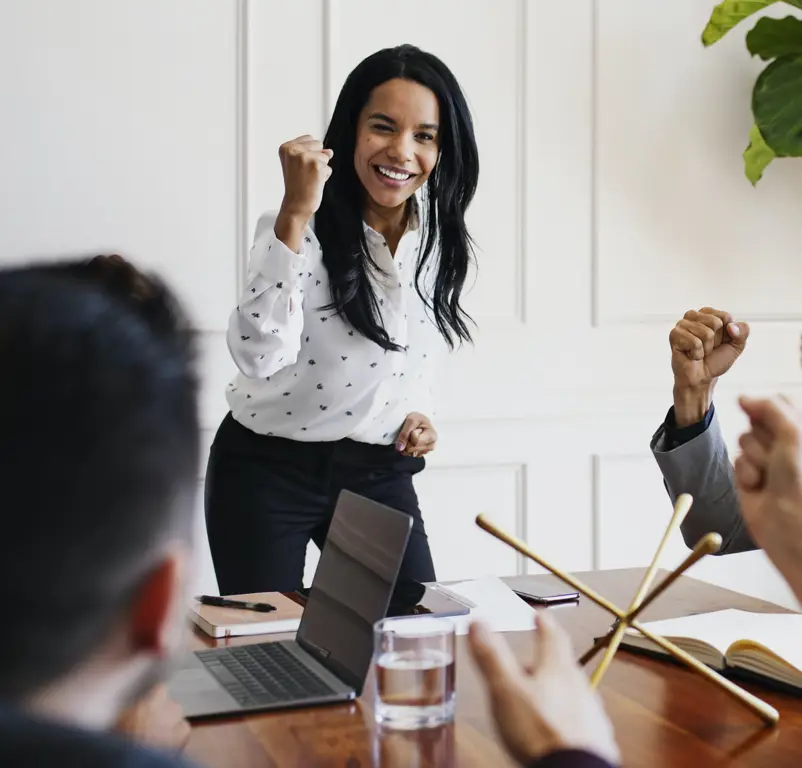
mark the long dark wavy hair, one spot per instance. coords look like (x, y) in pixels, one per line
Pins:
(448, 193)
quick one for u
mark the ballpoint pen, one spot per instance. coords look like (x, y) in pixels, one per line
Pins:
(225, 602)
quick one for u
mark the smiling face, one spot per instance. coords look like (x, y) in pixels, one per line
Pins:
(397, 141)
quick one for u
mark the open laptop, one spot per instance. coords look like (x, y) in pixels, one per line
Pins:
(330, 657)
(413, 598)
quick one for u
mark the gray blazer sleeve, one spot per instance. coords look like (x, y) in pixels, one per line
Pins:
(702, 468)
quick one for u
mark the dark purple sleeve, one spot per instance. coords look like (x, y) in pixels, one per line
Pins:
(570, 758)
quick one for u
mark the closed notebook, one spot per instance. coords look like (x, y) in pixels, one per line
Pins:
(226, 622)
(766, 646)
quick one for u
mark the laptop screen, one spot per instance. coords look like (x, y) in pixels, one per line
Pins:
(353, 584)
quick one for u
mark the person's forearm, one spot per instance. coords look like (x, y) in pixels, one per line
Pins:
(702, 468)
(787, 563)
(290, 228)
(264, 332)
(691, 405)
(797, 589)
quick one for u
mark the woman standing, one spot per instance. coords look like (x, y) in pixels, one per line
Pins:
(340, 323)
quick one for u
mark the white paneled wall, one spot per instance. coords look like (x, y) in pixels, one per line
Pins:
(611, 200)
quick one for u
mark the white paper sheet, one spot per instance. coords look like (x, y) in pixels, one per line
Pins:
(493, 603)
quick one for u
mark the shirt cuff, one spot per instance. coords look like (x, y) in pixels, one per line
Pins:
(570, 758)
(677, 436)
(278, 263)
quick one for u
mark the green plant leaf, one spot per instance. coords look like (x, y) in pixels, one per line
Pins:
(757, 156)
(772, 38)
(777, 105)
(730, 13)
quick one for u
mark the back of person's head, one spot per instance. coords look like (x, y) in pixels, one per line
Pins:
(98, 457)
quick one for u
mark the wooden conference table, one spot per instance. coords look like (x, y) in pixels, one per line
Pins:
(663, 714)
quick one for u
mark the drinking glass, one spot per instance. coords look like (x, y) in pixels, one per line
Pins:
(414, 663)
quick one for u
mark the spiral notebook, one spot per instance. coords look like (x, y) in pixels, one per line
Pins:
(230, 622)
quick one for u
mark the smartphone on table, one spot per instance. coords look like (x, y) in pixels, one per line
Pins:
(536, 593)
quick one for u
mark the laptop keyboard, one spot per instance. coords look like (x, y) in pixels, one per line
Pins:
(261, 674)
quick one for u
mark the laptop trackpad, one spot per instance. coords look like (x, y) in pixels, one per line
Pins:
(198, 692)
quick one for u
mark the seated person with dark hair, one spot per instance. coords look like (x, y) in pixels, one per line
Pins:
(98, 468)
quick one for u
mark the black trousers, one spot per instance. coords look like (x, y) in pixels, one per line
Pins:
(267, 497)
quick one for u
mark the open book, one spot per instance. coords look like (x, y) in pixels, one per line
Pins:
(762, 645)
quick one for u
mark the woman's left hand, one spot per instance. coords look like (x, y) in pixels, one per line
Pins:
(417, 437)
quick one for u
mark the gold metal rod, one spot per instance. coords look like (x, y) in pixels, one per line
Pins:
(707, 545)
(681, 508)
(761, 708)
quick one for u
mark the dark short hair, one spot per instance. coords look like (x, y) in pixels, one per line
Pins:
(449, 192)
(98, 457)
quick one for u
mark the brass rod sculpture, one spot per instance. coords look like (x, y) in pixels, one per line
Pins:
(680, 511)
(761, 708)
(707, 545)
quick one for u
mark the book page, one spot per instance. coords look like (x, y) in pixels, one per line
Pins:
(780, 633)
(719, 629)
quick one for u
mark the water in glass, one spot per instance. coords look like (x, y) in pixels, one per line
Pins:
(414, 663)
